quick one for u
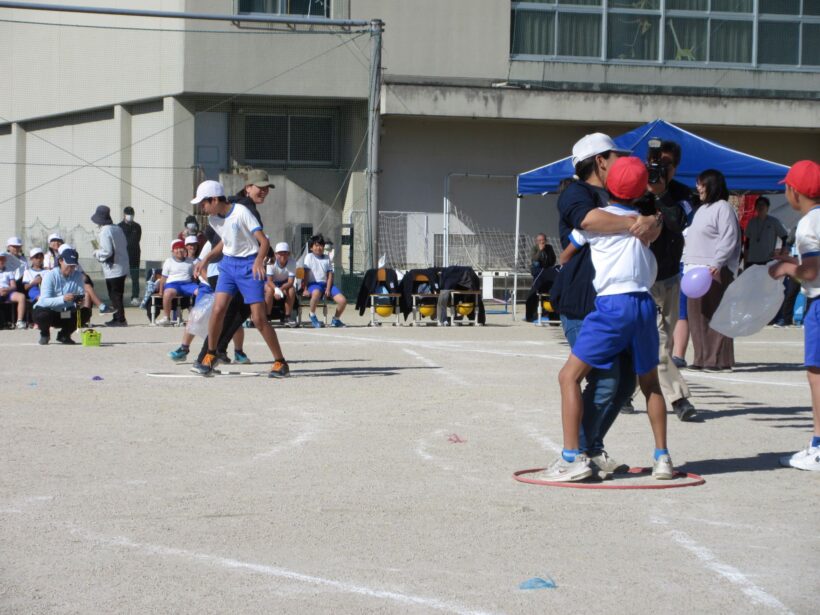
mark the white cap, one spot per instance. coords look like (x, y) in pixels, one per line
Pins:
(208, 190)
(592, 145)
(63, 248)
(191, 239)
(34, 252)
(14, 241)
(282, 246)
(54, 237)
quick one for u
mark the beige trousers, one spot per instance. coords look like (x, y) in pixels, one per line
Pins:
(667, 297)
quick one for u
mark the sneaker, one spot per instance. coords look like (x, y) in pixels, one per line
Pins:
(279, 369)
(662, 468)
(315, 322)
(106, 309)
(628, 408)
(605, 466)
(135, 302)
(779, 325)
(679, 362)
(163, 321)
(116, 323)
(807, 459)
(222, 357)
(179, 354)
(684, 409)
(21, 324)
(206, 368)
(292, 323)
(43, 340)
(337, 323)
(564, 471)
(65, 339)
(248, 324)
(240, 357)
(694, 368)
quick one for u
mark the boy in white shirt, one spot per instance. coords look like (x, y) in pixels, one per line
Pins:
(33, 274)
(625, 316)
(177, 279)
(803, 193)
(281, 284)
(319, 270)
(242, 269)
(9, 294)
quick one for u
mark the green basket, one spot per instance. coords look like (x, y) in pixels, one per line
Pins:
(91, 337)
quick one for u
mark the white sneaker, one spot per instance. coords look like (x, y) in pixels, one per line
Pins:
(605, 466)
(135, 302)
(564, 471)
(662, 468)
(21, 324)
(163, 321)
(807, 459)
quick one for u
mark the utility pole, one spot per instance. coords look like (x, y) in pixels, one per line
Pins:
(373, 130)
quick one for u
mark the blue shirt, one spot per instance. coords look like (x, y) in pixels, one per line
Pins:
(55, 286)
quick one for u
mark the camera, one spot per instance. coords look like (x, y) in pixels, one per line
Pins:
(654, 163)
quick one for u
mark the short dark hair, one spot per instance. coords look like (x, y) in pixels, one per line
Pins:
(715, 184)
(128, 211)
(320, 239)
(673, 149)
(762, 200)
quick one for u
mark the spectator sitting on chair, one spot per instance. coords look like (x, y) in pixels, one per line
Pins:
(192, 247)
(8, 291)
(319, 270)
(61, 292)
(15, 259)
(33, 275)
(542, 257)
(281, 272)
(177, 280)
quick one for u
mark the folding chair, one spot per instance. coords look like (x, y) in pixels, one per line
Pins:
(383, 302)
(545, 305)
(424, 304)
(464, 303)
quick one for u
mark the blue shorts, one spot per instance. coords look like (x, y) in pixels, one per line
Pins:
(322, 286)
(811, 330)
(620, 322)
(184, 289)
(236, 276)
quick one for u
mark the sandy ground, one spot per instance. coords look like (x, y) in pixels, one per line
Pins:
(378, 479)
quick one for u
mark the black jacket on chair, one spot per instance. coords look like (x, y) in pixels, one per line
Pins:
(409, 286)
(371, 282)
(458, 277)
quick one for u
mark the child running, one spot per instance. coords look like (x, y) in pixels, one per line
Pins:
(625, 317)
(803, 193)
(319, 269)
(242, 269)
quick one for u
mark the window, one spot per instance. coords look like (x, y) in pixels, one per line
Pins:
(702, 32)
(303, 138)
(307, 8)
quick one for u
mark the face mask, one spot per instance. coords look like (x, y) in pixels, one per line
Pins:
(129, 218)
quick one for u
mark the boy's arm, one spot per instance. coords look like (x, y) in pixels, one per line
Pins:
(329, 284)
(567, 254)
(807, 270)
(201, 267)
(259, 270)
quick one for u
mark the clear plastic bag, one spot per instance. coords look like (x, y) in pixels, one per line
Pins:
(749, 304)
(200, 314)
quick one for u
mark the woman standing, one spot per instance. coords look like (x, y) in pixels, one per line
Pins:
(712, 241)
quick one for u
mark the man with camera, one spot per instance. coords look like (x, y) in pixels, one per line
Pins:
(673, 201)
(61, 293)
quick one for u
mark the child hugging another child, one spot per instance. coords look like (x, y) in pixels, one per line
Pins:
(625, 317)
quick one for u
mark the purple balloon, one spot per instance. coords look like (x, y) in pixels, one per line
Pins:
(696, 282)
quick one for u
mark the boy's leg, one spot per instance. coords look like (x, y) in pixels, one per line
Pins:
(341, 303)
(269, 293)
(814, 385)
(655, 406)
(315, 296)
(290, 300)
(20, 300)
(215, 324)
(260, 321)
(168, 297)
(572, 405)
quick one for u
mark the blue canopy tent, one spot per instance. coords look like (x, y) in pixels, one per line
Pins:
(744, 173)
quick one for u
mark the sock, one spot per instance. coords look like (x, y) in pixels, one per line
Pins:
(815, 441)
(185, 346)
(660, 451)
(569, 454)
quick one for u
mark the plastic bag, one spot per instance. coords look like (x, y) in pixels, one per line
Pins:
(200, 314)
(749, 304)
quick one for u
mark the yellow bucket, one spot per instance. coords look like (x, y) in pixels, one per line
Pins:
(465, 309)
(427, 310)
(384, 310)
(91, 337)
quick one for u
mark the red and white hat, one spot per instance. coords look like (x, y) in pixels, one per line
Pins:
(177, 243)
(627, 178)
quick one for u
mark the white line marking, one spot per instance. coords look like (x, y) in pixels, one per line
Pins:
(546, 443)
(756, 594)
(439, 369)
(280, 573)
(690, 373)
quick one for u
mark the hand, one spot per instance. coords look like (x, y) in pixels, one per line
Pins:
(277, 292)
(715, 273)
(646, 228)
(198, 270)
(68, 297)
(259, 272)
(785, 258)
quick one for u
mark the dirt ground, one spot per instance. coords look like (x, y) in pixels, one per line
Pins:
(378, 479)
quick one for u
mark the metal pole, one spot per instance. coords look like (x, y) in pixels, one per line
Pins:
(373, 128)
(515, 256)
(446, 223)
(313, 21)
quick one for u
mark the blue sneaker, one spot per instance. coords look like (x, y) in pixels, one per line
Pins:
(241, 357)
(337, 323)
(106, 309)
(179, 354)
(315, 322)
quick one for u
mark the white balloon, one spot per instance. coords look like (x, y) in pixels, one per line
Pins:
(749, 304)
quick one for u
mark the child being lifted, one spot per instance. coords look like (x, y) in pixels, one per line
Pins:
(625, 317)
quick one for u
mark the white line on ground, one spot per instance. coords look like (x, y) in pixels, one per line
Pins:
(536, 434)
(439, 369)
(696, 375)
(756, 594)
(280, 573)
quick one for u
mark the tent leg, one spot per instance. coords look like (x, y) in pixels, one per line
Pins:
(515, 257)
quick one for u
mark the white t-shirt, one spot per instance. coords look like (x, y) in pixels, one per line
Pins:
(29, 274)
(178, 271)
(279, 273)
(213, 266)
(807, 241)
(8, 280)
(236, 230)
(317, 267)
(622, 263)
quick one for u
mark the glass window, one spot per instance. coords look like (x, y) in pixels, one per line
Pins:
(290, 139)
(266, 137)
(730, 41)
(533, 32)
(581, 2)
(685, 39)
(687, 5)
(311, 139)
(633, 4)
(811, 7)
(780, 7)
(579, 34)
(633, 37)
(310, 8)
(811, 50)
(732, 6)
(777, 42)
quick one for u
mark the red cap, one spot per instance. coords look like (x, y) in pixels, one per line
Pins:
(177, 243)
(627, 178)
(804, 176)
